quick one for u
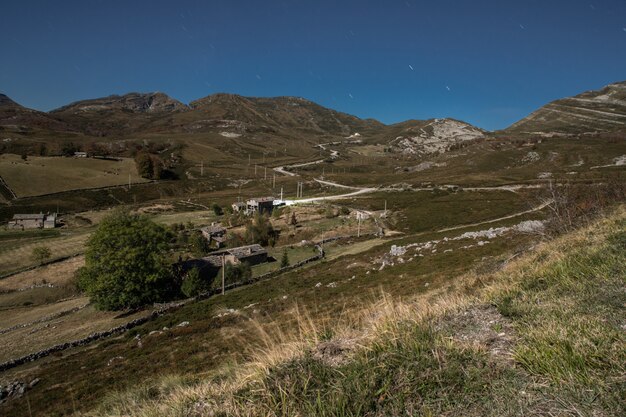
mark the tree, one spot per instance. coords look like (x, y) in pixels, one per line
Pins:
(237, 273)
(194, 284)
(199, 244)
(125, 266)
(143, 161)
(260, 231)
(217, 210)
(284, 261)
(41, 253)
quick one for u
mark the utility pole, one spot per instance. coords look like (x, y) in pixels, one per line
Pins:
(223, 272)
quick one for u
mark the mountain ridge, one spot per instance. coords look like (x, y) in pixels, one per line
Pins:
(134, 113)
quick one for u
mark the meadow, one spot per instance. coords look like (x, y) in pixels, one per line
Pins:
(39, 175)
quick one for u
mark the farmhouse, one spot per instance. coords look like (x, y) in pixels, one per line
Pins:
(214, 234)
(251, 254)
(33, 221)
(262, 205)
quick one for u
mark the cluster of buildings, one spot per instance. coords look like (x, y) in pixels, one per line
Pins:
(33, 221)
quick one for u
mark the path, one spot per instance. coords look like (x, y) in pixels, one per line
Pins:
(510, 216)
(357, 191)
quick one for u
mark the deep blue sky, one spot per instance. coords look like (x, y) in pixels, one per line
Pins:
(486, 62)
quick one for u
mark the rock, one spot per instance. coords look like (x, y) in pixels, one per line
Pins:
(183, 324)
(33, 382)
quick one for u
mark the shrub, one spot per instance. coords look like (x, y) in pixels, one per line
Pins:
(41, 253)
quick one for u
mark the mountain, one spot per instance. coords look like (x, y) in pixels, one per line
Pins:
(131, 102)
(276, 113)
(119, 115)
(593, 111)
(423, 137)
(15, 118)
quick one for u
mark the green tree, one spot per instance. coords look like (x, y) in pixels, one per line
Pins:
(125, 265)
(143, 161)
(284, 261)
(41, 253)
(260, 230)
(199, 244)
(237, 273)
(194, 284)
(217, 210)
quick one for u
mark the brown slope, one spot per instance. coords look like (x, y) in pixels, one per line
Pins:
(593, 111)
(15, 118)
(120, 115)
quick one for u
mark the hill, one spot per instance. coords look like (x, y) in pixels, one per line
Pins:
(16, 119)
(119, 115)
(541, 337)
(593, 111)
(423, 137)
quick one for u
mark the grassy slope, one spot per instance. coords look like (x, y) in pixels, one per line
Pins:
(44, 175)
(543, 336)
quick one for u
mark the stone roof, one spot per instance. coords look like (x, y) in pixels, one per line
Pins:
(29, 216)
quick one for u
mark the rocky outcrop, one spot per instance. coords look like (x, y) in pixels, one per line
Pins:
(133, 102)
(434, 137)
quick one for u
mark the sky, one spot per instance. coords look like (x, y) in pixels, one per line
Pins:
(486, 62)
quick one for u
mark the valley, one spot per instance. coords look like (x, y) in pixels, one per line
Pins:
(363, 212)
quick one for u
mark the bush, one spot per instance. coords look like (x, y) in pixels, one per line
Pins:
(41, 253)
(125, 264)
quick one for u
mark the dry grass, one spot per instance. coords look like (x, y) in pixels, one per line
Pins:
(44, 175)
(19, 255)
(562, 302)
(73, 326)
(60, 273)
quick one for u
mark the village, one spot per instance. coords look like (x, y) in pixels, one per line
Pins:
(297, 234)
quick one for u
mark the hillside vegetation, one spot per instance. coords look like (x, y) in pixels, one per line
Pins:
(542, 336)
